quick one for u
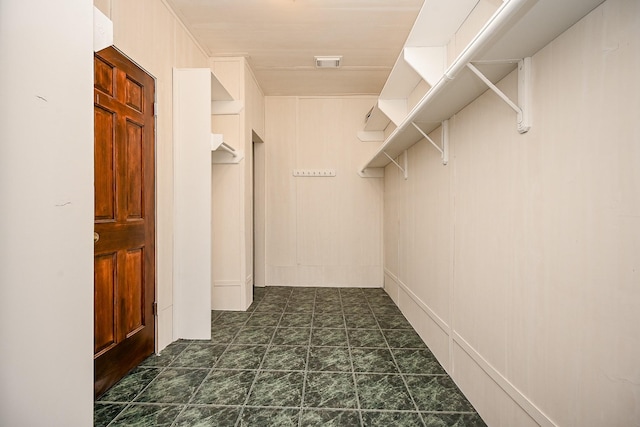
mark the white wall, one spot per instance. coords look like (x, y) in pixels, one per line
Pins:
(232, 204)
(519, 262)
(149, 33)
(46, 186)
(320, 231)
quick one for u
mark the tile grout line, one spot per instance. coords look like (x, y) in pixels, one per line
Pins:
(264, 356)
(400, 374)
(195, 393)
(321, 305)
(353, 370)
(133, 399)
(306, 365)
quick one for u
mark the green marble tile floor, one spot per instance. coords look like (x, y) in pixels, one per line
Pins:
(297, 357)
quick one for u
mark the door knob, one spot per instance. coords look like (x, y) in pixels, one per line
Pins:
(96, 237)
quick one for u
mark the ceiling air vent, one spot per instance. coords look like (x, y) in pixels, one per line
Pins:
(328, 61)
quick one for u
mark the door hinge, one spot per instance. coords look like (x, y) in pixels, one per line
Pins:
(155, 109)
(154, 308)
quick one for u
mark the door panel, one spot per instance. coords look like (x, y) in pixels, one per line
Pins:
(104, 301)
(133, 303)
(104, 181)
(124, 281)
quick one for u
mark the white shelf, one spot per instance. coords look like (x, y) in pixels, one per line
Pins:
(517, 30)
(422, 58)
(222, 102)
(375, 119)
(218, 91)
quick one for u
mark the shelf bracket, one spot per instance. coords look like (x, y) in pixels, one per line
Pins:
(524, 90)
(404, 169)
(371, 173)
(444, 150)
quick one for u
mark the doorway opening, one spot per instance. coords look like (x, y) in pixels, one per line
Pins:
(259, 209)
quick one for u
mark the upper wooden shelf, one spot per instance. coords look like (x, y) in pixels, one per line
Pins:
(518, 29)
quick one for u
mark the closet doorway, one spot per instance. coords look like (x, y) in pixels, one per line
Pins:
(259, 207)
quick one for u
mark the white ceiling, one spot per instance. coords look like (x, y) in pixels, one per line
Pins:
(281, 37)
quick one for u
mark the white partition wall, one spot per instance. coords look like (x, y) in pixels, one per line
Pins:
(192, 189)
(46, 185)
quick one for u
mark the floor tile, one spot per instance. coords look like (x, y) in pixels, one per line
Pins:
(277, 388)
(394, 418)
(104, 413)
(173, 386)
(393, 322)
(329, 337)
(166, 356)
(328, 306)
(351, 291)
(366, 338)
(437, 393)
(380, 300)
(360, 321)
(231, 318)
(356, 308)
(378, 391)
(147, 416)
(225, 388)
(264, 319)
(373, 360)
(352, 299)
(289, 361)
(207, 416)
(282, 291)
(276, 297)
(302, 291)
(453, 420)
(305, 307)
(385, 310)
(242, 357)
(254, 335)
(128, 387)
(330, 390)
(285, 358)
(291, 336)
(224, 334)
(329, 418)
(403, 338)
(329, 359)
(298, 320)
(302, 299)
(412, 361)
(328, 320)
(328, 293)
(268, 417)
(270, 307)
(199, 355)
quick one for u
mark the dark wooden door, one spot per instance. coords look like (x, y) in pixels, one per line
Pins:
(124, 249)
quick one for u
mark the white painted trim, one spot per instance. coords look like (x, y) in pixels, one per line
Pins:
(512, 391)
(492, 373)
(442, 324)
(226, 283)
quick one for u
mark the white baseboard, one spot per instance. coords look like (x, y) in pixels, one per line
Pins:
(399, 291)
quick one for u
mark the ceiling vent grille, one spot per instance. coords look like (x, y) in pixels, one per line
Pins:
(328, 61)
